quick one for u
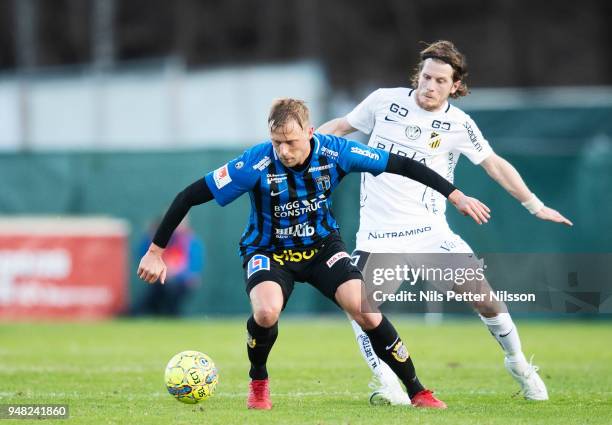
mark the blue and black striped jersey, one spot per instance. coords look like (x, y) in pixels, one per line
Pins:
(291, 209)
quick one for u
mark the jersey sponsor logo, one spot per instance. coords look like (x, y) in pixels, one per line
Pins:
(262, 164)
(365, 152)
(221, 177)
(257, 263)
(413, 132)
(401, 150)
(323, 182)
(329, 153)
(399, 110)
(273, 193)
(336, 257)
(442, 125)
(450, 167)
(321, 168)
(473, 137)
(400, 234)
(434, 140)
(289, 255)
(297, 208)
(301, 230)
(276, 178)
(389, 119)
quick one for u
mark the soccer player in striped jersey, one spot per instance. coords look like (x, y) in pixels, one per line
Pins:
(421, 124)
(292, 235)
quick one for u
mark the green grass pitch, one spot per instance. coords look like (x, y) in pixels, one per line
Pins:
(112, 372)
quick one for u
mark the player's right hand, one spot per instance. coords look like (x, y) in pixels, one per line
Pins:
(152, 267)
(470, 206)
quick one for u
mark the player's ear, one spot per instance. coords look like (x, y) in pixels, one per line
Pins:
(455, 86)
(310, 132)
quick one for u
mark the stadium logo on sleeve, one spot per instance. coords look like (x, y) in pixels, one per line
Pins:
(221, 177)
(473, 137)
(256, 263)
(413, 132)
(337, 257)
(365, 152)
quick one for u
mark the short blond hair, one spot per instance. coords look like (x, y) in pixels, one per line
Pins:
(286, 109)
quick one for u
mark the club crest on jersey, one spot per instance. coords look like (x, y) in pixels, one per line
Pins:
(400, 352)
(434, 140)
(256, 263)
(413, 132)
(323, 182)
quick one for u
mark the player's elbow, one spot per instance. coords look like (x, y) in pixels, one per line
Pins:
(493, 165)
(336, 127)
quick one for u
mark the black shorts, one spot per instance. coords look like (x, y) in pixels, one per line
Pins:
(325, 266)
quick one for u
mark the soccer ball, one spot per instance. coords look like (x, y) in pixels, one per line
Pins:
(191, 376)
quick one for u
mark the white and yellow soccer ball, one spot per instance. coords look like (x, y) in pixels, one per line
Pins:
(191, 377)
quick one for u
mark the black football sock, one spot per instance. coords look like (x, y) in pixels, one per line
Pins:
(259, 344)
(389, 348)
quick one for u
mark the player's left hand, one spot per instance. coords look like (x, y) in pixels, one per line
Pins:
(467, 205)
(552, 215)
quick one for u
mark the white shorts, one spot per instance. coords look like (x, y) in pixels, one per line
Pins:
(432, 237)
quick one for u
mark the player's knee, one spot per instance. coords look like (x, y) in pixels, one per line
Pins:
(367, 321)
(487, 308)
(266, 316)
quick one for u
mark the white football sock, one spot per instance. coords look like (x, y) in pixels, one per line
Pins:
(379, 368)
(504, 331)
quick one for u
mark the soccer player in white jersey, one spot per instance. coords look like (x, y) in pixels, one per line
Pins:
(419, 122)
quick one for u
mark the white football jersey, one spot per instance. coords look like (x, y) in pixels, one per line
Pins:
(392, 204)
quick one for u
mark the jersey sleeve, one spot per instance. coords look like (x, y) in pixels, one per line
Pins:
(234, 178)
(357, 157)
(363, 117)
(473, 144)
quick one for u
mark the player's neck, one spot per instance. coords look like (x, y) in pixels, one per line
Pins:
(301, 167)
(440, 108)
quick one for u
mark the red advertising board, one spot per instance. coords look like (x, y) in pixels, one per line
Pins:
(62, 268)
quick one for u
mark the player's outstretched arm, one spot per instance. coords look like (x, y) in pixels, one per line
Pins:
(416, 171)
(337, 127)
(152, 266)
(509, 178)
